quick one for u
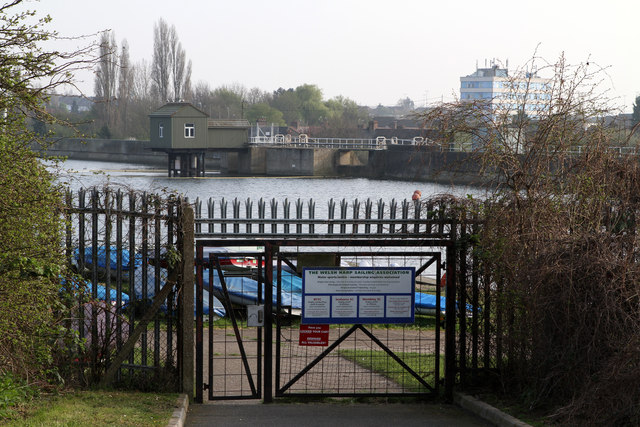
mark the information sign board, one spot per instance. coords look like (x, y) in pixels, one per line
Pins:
(358, 295)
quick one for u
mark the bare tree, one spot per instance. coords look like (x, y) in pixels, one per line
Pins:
(560, 242)
(125, 87)
(142, 82)
(171, 72)
(186, 85)
(180, 70)
(161, 62)
(202, 96)
(255, 96)
(106, 80)
(142, 100)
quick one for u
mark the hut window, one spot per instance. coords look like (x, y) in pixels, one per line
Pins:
(189, 130)
(161, 131)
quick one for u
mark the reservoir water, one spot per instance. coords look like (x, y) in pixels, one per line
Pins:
(86, 174)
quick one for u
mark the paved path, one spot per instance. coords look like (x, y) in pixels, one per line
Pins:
(254, 413)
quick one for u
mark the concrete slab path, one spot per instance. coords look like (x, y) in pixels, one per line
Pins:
(334, 414)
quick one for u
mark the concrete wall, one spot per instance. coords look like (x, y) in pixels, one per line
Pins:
(290, 161)
(423, 164)
(324, 162)
(108, 150)
(352, 158)
(279, 161)
(252, 161)
(412, 164)
(116, 150)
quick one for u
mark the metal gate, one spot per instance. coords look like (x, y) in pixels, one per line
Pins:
(237, 360)
(254, 351)
(229, 351)
(359, 360)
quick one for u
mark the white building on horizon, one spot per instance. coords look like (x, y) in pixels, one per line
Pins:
(504, 93)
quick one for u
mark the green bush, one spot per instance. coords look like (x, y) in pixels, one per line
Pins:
(31, 221)
(31, 260)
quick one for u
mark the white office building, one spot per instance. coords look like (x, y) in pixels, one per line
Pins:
(504, 93)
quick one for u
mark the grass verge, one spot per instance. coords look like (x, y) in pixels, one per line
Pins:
(97, 408)
(381, 363)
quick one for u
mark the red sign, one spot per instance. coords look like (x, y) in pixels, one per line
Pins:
(314, 335)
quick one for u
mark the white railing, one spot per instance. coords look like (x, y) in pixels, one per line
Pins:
(304, 141)
(381, 143)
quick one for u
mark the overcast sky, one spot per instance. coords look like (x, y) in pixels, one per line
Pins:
(372, 51)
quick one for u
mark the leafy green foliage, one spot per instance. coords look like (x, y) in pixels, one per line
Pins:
(263, 112)
(31, 225)
(30, 258)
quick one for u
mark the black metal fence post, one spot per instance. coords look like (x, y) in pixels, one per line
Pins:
(186, 290)
(268, 323)
(450, 321)
(199, 323)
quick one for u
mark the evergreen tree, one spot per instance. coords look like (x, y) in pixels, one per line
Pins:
(635, 116)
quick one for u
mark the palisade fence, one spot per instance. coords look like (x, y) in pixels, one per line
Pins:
(124, 248)
(297, 219)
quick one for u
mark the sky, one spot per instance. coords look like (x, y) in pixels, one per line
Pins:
(371, 51)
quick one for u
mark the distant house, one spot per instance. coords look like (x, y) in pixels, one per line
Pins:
(185, 133)
(622, 120)
(72, 103)
(390, 127)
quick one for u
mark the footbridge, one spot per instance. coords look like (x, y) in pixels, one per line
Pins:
(305, 141)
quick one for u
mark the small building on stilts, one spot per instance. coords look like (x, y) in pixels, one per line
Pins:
(186, 134)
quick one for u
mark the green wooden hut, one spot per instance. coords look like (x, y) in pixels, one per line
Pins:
(186, 133)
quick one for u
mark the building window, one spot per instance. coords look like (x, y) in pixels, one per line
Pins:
(161, 131)
(189, 130)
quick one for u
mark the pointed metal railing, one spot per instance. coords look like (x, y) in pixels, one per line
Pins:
(300, 219)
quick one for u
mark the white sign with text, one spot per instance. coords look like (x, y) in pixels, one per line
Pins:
(358, 295)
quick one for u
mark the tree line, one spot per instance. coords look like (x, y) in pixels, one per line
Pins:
(126, 92)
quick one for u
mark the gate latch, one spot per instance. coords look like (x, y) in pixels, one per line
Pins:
(255, 315)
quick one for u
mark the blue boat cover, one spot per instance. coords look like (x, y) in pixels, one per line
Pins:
(244, 290)
(218, 308)
(428, 301)
(113, 255)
